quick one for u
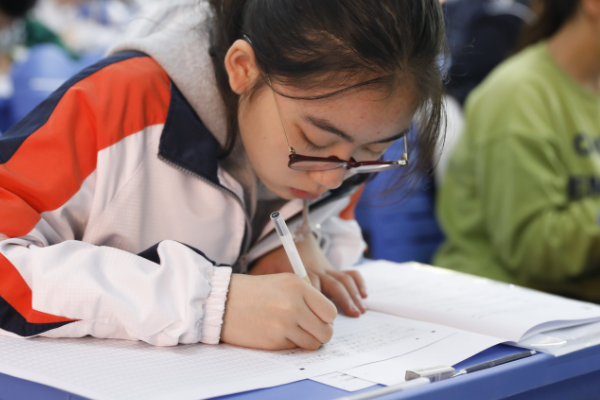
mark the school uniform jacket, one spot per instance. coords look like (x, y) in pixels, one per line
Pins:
(116, 217)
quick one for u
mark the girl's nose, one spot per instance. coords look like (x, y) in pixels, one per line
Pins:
(330, 179)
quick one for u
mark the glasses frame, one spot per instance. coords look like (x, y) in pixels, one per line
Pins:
(376, 166)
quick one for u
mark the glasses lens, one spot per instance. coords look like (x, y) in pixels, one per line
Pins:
(316, 165)
(364, 169)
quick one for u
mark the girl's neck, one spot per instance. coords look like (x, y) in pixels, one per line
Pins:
(576, 49)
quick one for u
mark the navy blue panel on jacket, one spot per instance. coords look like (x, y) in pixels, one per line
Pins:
(186, 142)
(12, 321)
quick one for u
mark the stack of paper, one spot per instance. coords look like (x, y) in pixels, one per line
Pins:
(486, 312)
(470, 303)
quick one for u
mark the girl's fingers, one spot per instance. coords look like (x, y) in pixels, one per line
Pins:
(315, 280)
(351, 287)
(314, 326)
(303, 339)
(318, 304)
(359, 281)
(339, 294)
(286, 345)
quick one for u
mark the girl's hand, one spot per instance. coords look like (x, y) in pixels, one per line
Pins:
(276, 312)
(345, 288)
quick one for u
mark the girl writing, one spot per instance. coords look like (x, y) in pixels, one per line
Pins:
(135, 199)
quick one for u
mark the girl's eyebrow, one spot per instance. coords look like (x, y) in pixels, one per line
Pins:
(395, 137)
(327, 126)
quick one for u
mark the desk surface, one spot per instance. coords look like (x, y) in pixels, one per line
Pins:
(573, 376)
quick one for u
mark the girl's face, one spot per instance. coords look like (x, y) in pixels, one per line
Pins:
(359, 124)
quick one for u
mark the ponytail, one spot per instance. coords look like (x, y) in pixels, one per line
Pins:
(553, 16)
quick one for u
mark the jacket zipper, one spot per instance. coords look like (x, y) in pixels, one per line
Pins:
(248, 234)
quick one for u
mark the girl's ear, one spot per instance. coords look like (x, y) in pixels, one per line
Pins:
(241, 66)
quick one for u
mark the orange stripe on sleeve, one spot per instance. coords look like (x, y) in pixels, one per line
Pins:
(97, 112)
(51, 164)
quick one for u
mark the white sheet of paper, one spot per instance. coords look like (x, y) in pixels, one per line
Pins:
(127, 370)
(448, 351)
(343, 381)
(468, 302)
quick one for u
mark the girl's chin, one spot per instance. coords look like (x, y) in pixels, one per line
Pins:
(280, 191)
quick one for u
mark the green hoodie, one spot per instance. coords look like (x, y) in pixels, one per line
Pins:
(521, 198)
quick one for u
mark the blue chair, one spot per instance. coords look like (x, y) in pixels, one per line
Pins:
(406, 231)
(46, 67)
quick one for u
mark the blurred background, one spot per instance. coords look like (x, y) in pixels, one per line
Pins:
(44, 42)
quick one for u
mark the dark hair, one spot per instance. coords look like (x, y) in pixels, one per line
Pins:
(301, 42)
(552, 16)
(16, 8)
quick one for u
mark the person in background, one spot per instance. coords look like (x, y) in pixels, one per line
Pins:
(521, 199)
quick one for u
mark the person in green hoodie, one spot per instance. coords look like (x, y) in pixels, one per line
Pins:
(521, 200)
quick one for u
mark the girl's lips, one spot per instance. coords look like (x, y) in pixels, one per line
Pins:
(301, 194)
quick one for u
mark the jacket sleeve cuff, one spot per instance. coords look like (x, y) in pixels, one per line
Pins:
(215, 306)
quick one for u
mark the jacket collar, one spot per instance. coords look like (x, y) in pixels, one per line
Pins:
(186, 142)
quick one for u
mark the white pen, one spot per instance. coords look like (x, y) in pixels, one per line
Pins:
(289, 246)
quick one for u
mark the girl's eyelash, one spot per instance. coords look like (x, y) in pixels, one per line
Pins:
(311, 145)
(375, 153)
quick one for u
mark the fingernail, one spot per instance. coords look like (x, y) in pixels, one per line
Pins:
(360, 303)
(353, 307)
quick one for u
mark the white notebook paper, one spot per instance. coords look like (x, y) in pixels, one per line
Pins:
(448, 351)
(467, 302)
(128, 370)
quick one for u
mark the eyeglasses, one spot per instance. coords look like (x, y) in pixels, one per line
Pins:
(306, 163)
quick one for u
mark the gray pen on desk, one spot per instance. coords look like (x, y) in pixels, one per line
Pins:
(493, 363)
